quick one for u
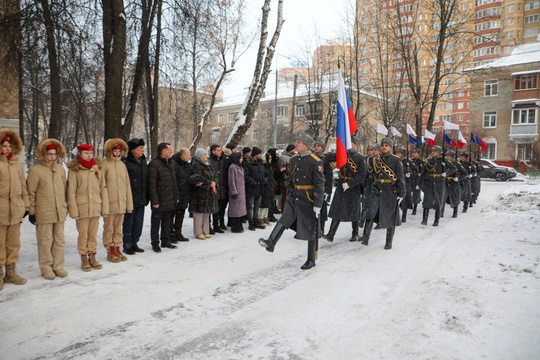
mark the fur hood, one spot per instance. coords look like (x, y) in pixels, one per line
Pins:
(42, 151)
(109, 144)
(73, 164)
(16, 143)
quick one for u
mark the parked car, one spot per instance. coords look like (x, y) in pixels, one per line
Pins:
(497, 172)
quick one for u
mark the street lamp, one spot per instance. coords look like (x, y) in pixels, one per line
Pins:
(275, 102)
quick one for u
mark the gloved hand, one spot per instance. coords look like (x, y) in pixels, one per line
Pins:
(417, 187)
(327, 198)
(316, 210)
(456, 179)
(234, 196)
(32, 219)
(469, 176)
(345, 186)
(25, 214)
(443, 174)
(399, 199)
(473, 175)
(407, 175)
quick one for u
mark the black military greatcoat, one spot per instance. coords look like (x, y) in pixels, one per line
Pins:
(432, 182)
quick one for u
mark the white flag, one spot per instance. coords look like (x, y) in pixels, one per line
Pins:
(395, 132)
(450, 126)
(461, 138)
(410, 130)
(381, 129)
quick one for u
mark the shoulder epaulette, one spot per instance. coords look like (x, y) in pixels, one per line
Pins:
(315, 157)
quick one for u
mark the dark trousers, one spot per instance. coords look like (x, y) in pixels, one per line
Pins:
(132, 227)
(253, 204)
(219, 217)
(179, 220)
(163, 219)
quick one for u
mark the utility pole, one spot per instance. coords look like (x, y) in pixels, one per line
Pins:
(274, 142)
(293, 112)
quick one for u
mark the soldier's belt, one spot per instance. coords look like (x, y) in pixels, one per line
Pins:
(450, 177)
(434, 175)
(346, 178)
(304, 187)
(384, 181)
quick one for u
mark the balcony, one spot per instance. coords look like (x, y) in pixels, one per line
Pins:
(524, 133)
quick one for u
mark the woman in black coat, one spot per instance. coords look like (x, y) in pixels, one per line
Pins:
(269, 191)
(203, 201)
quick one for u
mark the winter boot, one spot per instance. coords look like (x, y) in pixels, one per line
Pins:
(363, 215)
(180, 237)
(454, 215)
(465, 206)
(85, 265)
(1, 277)
(425, 216)
(415, 206)
(437, 216)
(266, 222)
(389, 238)
(404, 216)
(367, 232)
(354, 236)
(441, 212)
(272, 240)
(310, 262)
(119, 254)
(93, 262)
(12, 277)
(261, 223)
(251, 225)
(332, 232)
(322, 226)
(111, 255)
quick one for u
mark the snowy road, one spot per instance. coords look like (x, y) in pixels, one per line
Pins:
(467, 289)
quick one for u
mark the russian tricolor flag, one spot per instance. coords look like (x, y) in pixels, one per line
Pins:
(346, 123)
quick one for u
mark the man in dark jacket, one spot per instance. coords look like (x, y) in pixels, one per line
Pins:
(255, 176)
(465, 184)
(163, 197)
(347, 202)
(411, 171)
(304, 200)
(318, 150)
(218, 162)
(182, 167)
(416, 155)
(453, 190)
(387, 190)
(137, 168)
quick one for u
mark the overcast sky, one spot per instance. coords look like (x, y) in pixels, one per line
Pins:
(303, 18)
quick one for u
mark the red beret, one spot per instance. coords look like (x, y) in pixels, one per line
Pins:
(6, 138)
(118, 146)
(51, 146)
(85, 147)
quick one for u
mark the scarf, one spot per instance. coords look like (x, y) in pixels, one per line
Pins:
(87, 164)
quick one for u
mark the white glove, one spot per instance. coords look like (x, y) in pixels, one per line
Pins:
(474, 175)
(417, 187)
(443, 174)
(407, 175)
(316, 210)
(345, 186)
(399, 199)
(327, 198)
(469, 176)
(456, 179)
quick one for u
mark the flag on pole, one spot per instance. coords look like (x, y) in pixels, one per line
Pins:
(430, 136)
(447, 139)
(461, 140)
(410, 130)
(381, 129)
(412, 140)
(395, 132)
(450, 126)
(483, 145)
(346, 123)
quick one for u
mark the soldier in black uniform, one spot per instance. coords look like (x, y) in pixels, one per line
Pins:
(304, 200)
(453, 190)
(347, 202)
(416, 155)
(465, 184)
(372, 150)
(410, 170)
(432, 183)
(387, 190)
(318, 149)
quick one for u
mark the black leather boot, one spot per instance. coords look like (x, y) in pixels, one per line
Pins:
(465, 206)
(251, 225)
(389, 238)
(425, 216)
(272, 240)
(454, 215)
(332, 231)
(404, 216)
(441, 212)
(322, 226)
(415, 206)
(363, 216)
(437, 215)
(367, 232)
(310, 262)
(354, 236)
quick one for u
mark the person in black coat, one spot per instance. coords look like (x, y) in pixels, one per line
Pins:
(137, 168)
(254, 174)
(318, 149)
(269, 191)
(182, 168)
(221, 167)
(416, 155)
(163, 197)
(453, 189)
(411, 171)
(465, 184)
(387, 190)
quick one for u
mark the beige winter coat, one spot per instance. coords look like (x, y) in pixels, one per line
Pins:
(87, 194)
(117, 179)
(47, 186)
(13, 194)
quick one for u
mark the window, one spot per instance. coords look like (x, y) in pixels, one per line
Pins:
(300, 110)
(254, 135)
(511, 21)
(524, 116)
(269, 113)
(448, 106)
(524, 151)
(490, 119)
(220, 119)
(447, 118)
(531, 19)
(231, 117)
(531, 5)
(460, 117)
(460, 105)
(524, 82)
(491, 87)
(530, 32)
(490, 151)
(510, 8)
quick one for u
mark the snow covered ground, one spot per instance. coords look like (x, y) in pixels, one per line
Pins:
(468, 289)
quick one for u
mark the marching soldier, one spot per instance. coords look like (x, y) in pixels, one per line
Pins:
(387, 190)
(432, 183)
(465, 184)
(347, 202)
(372, 150)
(411, 171)
(416, 155)
(318, 149)
(453, 190)
(304, 200)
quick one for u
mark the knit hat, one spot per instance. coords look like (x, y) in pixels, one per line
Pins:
(199, 153)
(306, 139)
(256, 151)
(387, 141)
(246, 150)
(135, 143)
(289, 148)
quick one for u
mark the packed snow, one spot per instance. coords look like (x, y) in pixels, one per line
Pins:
(468, 289)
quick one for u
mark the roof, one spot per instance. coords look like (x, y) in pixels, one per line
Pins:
(522, 54)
